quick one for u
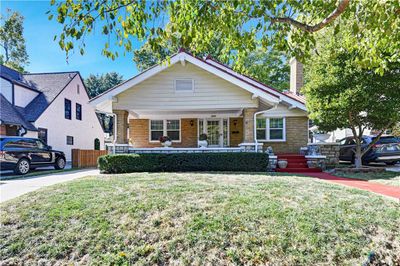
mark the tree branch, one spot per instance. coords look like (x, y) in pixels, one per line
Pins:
(343, 4)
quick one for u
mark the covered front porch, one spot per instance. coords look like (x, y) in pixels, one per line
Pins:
(223, 128)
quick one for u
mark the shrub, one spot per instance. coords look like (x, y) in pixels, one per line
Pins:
(183, 162)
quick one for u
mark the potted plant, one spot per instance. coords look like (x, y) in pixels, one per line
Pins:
(202, 140)
(165, 141)
(282, 163)
(319, 135)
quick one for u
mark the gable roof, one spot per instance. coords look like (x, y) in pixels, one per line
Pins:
(10, 115)
(258, 89)
(48, 85)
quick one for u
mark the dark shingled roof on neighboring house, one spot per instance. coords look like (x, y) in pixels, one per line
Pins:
(48, 85)
(10, 115)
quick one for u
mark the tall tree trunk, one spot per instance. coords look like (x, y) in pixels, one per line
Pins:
(358, 156)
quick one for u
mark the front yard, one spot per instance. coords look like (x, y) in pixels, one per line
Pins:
(167, 218)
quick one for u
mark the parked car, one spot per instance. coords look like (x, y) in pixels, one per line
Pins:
(387, 150)
(22, 154)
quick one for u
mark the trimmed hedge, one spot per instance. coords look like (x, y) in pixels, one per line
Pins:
(183, 162)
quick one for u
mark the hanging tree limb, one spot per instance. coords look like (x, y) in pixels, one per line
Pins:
(343, 4)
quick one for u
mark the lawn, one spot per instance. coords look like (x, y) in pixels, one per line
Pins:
(385, 178)
(197, 219)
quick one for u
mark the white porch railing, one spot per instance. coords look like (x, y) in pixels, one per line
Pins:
(126, 148)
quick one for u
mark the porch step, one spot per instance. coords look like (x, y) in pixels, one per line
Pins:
(296, 164)
(299, 170)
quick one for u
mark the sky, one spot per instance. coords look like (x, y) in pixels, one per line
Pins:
(46, 56)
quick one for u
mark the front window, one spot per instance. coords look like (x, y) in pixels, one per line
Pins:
(276, 128)
(261, 129)
(170, 128)
(157, 129)
(67, 109)
(78, 111)
(270, 129)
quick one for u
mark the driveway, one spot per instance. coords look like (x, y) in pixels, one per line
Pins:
(10, 189)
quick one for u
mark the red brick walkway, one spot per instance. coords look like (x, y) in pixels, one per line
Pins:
(361, 184)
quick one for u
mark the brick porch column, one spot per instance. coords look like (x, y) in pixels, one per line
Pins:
(248, 124)
(122, 126)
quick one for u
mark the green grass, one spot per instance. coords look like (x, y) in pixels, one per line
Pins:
(197, 219)
(385, 178)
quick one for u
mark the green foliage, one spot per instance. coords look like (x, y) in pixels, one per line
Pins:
(269, 67)
(240, 26)
(97, 84)
(341, 94)
(182, 162)
(12, 41)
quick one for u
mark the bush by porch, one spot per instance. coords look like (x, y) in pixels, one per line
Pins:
(183, 162)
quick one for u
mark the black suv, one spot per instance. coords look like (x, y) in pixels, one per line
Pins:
(22, 154)
(386, 149)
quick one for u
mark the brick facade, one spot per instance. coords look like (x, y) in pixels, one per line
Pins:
(248, 124)
(139, 134)
(122, 126)
(296, 136)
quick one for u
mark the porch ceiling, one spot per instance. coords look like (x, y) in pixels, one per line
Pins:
(186, 113)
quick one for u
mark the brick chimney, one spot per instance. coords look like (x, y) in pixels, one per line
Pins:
(296, 76)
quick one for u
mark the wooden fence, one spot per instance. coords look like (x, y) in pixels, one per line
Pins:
(86, 158)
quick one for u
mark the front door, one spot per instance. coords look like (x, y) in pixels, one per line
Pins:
(213, 133)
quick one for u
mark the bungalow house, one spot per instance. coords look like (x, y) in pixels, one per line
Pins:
(51, 106)
(190, 96)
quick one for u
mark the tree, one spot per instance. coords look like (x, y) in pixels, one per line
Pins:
(146, 57)
(269, 67)
(12, 41)
(341, 94)
(97, 84)
(286, 25)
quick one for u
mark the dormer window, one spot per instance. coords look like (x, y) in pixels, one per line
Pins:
(184, 85)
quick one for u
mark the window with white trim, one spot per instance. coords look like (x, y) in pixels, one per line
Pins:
(270, 129)
(261, 128)
(184, 85)
(170, 128)
(276, 129)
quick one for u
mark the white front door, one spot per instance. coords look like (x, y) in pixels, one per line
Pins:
(214, 133)
(217, 131)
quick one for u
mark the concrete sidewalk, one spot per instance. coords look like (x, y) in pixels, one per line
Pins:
(10, 189)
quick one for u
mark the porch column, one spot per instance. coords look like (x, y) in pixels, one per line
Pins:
(248, 124)
(122, 126)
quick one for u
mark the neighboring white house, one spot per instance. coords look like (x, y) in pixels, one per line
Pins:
(51, 106)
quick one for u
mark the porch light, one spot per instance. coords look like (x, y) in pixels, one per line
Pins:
(191, 123)
(235, 122)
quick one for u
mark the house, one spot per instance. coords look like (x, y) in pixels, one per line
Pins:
(51, 106)
(190, 96)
